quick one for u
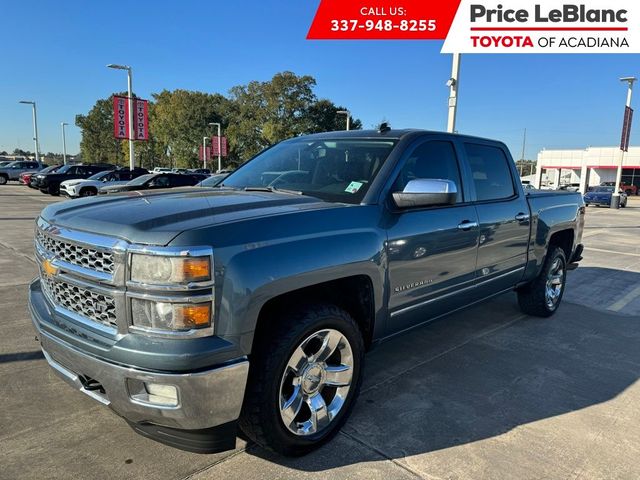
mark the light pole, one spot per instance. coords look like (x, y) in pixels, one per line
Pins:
(615, 197)
(35, 127)
(215, 124)
(348, 114)
(204, 151)
(64, 143)
(453, 83)
(132, 161)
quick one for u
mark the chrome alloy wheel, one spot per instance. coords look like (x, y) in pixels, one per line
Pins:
(555, 281)
(316, 382)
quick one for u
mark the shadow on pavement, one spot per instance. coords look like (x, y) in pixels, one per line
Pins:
(480, 373)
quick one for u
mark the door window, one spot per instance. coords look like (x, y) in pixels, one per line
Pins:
(434, 160)
(491, 172)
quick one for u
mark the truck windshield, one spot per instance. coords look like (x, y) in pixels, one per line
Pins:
(338, 170)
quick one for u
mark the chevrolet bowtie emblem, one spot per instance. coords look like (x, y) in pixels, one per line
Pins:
(49, 268)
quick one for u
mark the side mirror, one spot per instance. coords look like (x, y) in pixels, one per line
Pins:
(426, 192)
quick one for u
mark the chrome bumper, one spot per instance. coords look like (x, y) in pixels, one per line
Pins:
(205, 399)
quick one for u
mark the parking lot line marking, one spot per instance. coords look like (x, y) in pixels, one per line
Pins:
(626, 300)
(612, 251)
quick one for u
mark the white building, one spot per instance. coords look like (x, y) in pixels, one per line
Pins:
(588, 167)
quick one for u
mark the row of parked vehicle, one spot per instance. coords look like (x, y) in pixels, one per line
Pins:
(93, 179)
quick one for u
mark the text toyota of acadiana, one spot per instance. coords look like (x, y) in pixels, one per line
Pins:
(568, 13)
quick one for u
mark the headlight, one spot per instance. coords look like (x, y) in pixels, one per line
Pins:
(160, 269)
(170, 316)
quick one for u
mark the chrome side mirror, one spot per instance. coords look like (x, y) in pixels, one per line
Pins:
(426, 192)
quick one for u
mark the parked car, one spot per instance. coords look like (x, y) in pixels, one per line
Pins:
(570, 187)
(528, 187)
(190, 312)
(601, 196)
(204, 171)
(625, 187)
(155, 181)
(37, 176)
(27, 177)
(213, 180)
(161, 170)
(12, 170)
(90, 186)
(50, 182)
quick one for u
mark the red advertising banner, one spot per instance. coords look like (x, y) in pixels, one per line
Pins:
(223, 146)
(382, 20)
(626, 129)
(141, 119)
(207, 152)
(120, 117)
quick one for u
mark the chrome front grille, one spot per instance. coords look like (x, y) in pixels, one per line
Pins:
(77, 254)
(92, 305)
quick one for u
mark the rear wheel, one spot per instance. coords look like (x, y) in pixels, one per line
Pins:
(304, 380)
(3, 180)
(543, 295)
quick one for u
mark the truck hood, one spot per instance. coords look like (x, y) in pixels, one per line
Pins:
(156, 217)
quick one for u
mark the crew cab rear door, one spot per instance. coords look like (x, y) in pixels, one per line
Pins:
(431, 251)
(503, 215)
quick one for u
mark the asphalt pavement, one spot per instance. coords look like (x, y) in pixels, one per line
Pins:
(485, 393)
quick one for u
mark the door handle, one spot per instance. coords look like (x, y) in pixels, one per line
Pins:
(467, 225)
(522, 217)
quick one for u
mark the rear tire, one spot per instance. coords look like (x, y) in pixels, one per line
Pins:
(543, 295)
(3, 180)
(300, 391)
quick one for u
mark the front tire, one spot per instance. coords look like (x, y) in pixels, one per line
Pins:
(543, 295)
(88, 192)
(303, 380)
(3, 180)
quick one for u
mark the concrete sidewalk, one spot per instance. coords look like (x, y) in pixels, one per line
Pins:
(484, 393)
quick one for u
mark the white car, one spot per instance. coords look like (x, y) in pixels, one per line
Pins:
(88, 187)
(161, 170)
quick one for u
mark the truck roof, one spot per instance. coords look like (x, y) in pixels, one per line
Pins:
(395, 134)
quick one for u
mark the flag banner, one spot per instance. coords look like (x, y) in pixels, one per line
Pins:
(120, 117)
(626, 129)
(141, 119)
(223, 146)
(207, 156)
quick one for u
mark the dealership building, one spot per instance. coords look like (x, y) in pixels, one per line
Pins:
(588, 167)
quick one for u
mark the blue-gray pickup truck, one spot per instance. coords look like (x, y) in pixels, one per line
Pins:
(194, 312)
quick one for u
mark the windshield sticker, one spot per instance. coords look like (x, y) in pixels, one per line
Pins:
(353, 187)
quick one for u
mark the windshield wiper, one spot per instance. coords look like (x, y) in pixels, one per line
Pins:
(272, 190)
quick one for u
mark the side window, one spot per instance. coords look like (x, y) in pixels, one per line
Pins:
(491, 172)
(432, 159)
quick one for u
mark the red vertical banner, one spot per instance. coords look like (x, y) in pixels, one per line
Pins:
(120, 117)
(207, 153)
(223, 146)
(141, 119)
(626, 129)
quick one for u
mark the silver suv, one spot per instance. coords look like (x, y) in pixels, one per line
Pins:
(13, 170)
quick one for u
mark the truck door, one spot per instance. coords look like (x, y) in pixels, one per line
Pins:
(431, 251)
(503, 214)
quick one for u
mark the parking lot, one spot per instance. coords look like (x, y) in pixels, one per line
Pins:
(485, 393)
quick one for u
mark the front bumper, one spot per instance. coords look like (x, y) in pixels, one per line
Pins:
(68, 191)
(209, 401)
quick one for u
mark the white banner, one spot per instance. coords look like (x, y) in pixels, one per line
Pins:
(545, 26)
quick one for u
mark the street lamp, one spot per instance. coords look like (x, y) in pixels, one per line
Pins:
(64, 143)
(35, 127)
(453, 84)
(615, 197)
(132, 164)
(215, 124)
(348, 114)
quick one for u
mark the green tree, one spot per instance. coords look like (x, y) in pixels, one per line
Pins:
(98, 144)
(324, 117)
(178, 122)
(265, 113)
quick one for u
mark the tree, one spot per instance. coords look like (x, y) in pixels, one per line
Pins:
(98, 144)
(323, 116)
(265, 113)
(178, 122)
